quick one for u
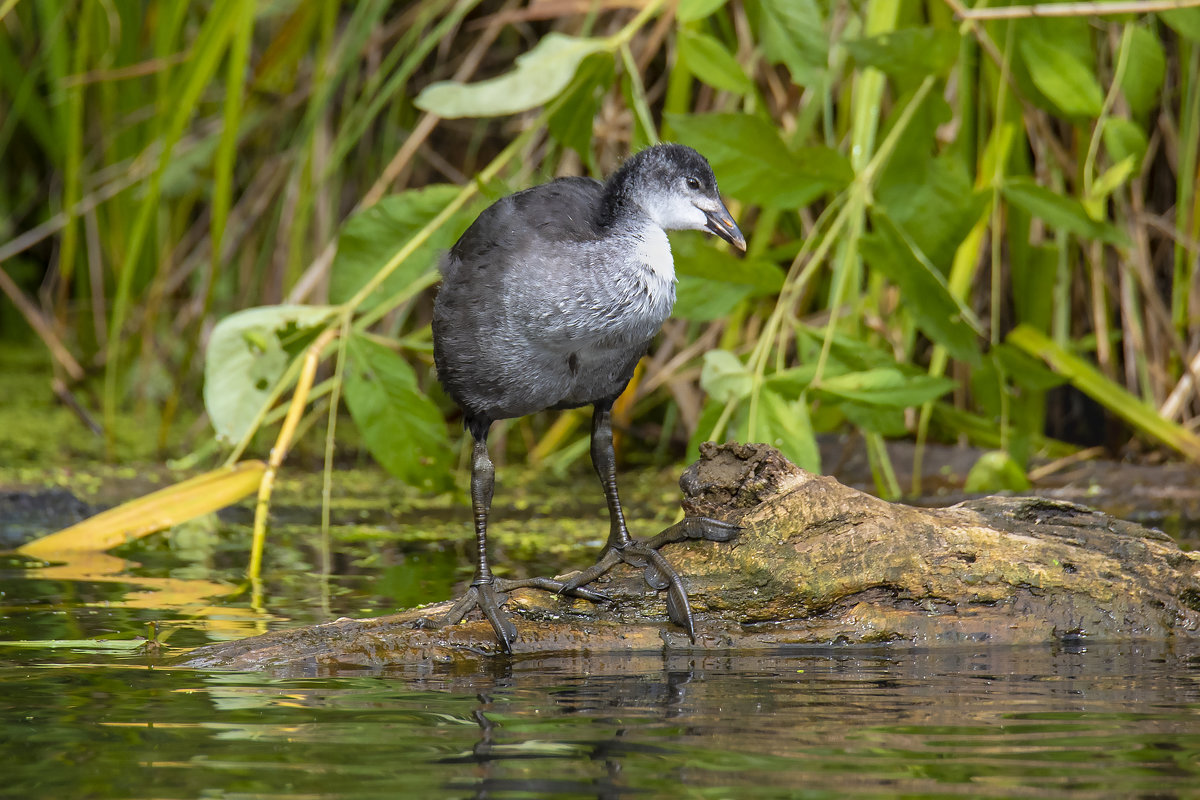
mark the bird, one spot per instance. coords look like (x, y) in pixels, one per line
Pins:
(548, 301)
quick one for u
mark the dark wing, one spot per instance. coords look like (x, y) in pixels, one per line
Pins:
(562, 211)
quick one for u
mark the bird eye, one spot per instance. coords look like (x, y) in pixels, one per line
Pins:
(693, 184)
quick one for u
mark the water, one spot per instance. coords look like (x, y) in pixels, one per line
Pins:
(87, 711)
(1087, 722)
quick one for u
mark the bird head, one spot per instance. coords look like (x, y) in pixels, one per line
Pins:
(676, 188)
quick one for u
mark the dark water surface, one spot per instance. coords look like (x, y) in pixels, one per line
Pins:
(1095, 721)
(87, 712)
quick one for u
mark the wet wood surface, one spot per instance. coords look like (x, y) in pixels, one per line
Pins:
(817, 563)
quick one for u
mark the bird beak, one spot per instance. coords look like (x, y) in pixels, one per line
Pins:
(720, 222)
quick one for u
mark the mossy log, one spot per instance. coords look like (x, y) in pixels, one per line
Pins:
(817, 563)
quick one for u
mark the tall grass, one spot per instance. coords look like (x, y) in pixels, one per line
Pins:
(918, 180)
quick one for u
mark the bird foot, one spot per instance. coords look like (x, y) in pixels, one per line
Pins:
(657, 571)
(490, 593)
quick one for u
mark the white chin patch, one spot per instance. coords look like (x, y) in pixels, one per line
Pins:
(679, 215)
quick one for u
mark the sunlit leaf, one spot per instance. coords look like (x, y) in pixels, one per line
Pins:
(707, 59)
(1111, 179)
(248, 353)
(1061, 212)
(1065, 81)
(156, 511)
(724, 377)
(1088, 379)
(692, 10)
(885, 387)
(402, 428)
(996, 472)
(539, 76)
(785, 425)
(372, 236)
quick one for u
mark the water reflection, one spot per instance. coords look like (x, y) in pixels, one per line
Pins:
(1019, 722)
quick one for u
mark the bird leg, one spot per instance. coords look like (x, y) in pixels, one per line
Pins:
(643, 554)
(487, 592)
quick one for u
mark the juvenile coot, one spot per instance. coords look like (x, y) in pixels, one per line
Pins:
(548, 301)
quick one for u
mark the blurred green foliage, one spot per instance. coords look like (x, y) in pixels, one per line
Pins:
(915, 184)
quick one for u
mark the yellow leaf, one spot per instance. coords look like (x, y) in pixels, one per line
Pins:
(145, 515)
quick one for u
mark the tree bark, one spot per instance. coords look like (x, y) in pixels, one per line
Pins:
(817, 563)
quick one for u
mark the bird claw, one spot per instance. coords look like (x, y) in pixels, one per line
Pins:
(656, 570)
(488, 595)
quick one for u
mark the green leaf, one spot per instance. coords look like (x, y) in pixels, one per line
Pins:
(1061, 212)
(788, 427)
(996, 472)
(775, 176)
(1024, 370)
(372, 236)
(247, 354)
(792, 33)
(724, 377)
(702, 300)
(1089, 380)
(885, 387)
(1145, 67)
(402, 428)
(1184, 21)
(1111, 179)
(707, 59)
(539, 76)
(695, 255)
(907, 52)
(1065, 81)
(692, 10)
(944, 319)
(1124, 139)
(572, 122)
(887, 422)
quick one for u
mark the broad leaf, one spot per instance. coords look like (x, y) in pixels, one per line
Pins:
(792, 33)
(371, 237)
(927, 297)
(884, 421)
(907, 52)
(775, 176)
(539, 76)
(572, 122)
(696, 255)
(692, 10)
(1142, 80)
(1184, 21)
(888, 388)
(402, 428)
(996, 472)
(725, 377)
(1065, 81)
(247, 354)
(702, 299)
(785, 424)
(1061, 212)
(707, 59)
(1124, 140)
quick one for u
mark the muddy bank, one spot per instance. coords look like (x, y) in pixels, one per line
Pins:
(818, 563)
